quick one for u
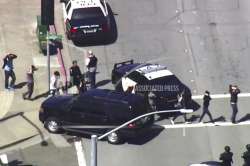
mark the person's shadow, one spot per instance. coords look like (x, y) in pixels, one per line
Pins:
(244, 118)
(212, 163)
(20, 85)
(45, 94)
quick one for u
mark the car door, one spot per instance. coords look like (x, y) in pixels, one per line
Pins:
(89, 110)
(76, 113)
(96, 113)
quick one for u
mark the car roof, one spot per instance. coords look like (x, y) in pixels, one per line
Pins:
(154, 71)
(85, 3)
(149, 71)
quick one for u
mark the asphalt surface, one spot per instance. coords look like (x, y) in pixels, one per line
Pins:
(205, 43)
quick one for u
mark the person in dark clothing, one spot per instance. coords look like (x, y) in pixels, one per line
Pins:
(30, 82)
(206, 100)
(226, 157)
(75, 75)
(234, 91)
(91, 64)
(246, 156)
(8, 70)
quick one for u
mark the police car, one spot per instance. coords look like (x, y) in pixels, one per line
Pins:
(85, 18)
(143, 78)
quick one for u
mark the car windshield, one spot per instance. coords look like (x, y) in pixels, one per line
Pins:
(137, 77)
(87, 13)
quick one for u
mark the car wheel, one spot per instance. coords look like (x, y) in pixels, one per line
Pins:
(114, 138)
(52, 125)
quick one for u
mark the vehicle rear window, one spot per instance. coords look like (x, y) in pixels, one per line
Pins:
(87, 13)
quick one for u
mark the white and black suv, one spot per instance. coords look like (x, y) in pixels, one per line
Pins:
(85, 18)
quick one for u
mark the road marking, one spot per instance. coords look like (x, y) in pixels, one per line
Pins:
(221, 96)
(3, 159)
(59, 141)
(80, 152)
(196, 125)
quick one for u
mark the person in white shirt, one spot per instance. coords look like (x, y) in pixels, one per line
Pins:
(91, 65)
(55, 83)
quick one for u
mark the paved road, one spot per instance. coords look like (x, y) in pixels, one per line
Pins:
(205, 43)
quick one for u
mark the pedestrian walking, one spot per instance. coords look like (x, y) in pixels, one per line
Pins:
(234, 91)
(8, 70)
(75, 75)
(55, 83)
(226, 157)
(30, 83)
(246, 156)
(206, 101)
(91, 64)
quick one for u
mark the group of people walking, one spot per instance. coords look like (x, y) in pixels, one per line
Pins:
(182, 103)
(233, 91)
(77, 78)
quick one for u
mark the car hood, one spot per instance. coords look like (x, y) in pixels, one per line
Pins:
(58, 102)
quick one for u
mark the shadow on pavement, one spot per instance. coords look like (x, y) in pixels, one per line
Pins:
(18, 163)
(212, 163)
(244, 118)
(153, 132)
(20, 85)
(102, 83)
(147, 136)
(110, 38)
(220, 119)
(43, 143)
(194, 118)
(45, 94)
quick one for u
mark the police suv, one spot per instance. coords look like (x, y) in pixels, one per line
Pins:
(85, 18)
(143, 78)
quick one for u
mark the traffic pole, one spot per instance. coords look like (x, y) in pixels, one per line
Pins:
(48, 61)
(93, 161)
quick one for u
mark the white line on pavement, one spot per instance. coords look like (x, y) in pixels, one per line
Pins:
(196, 125)
(80, 153)
(221, 96)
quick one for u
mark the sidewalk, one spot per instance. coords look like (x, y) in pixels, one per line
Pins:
(20, 39)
